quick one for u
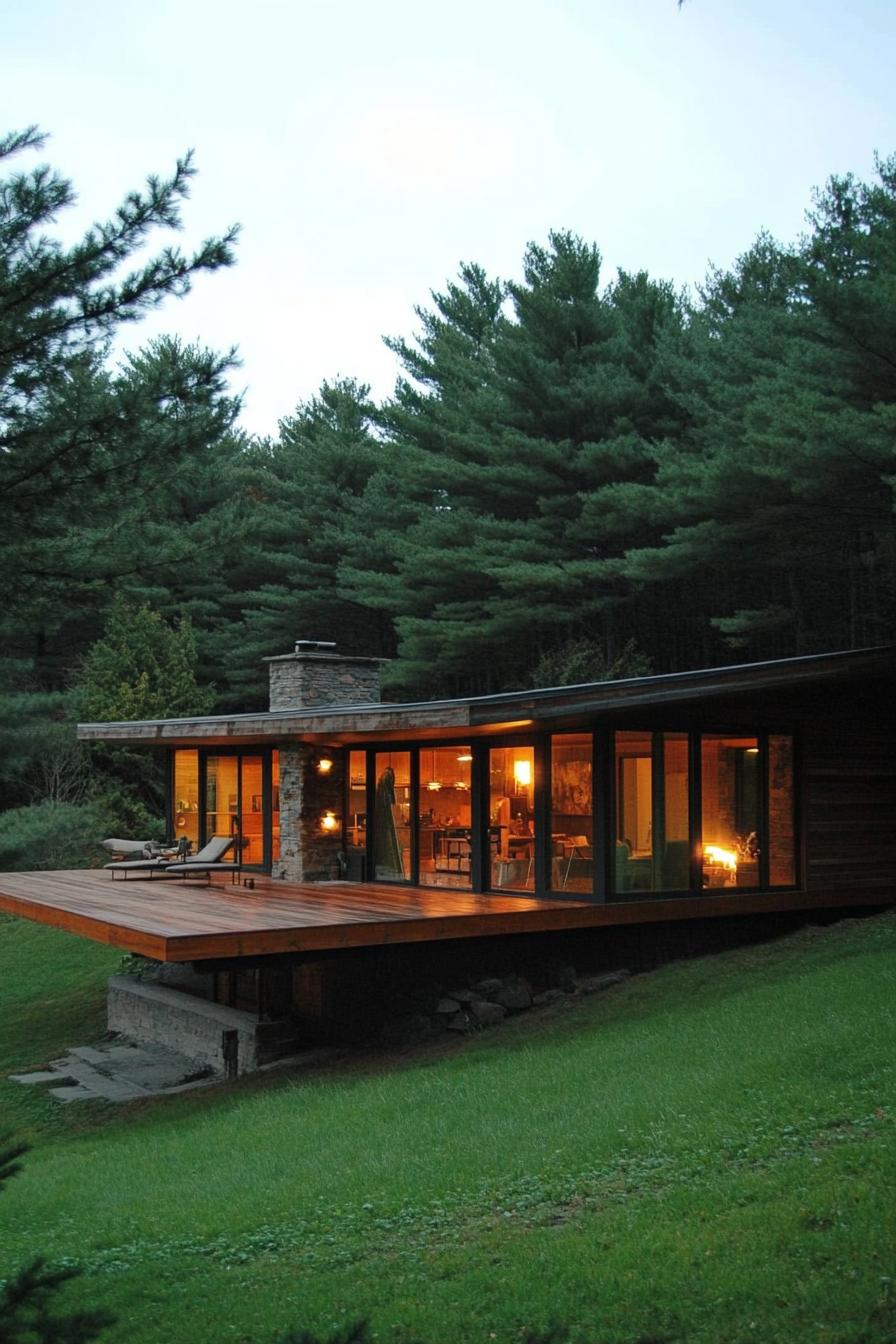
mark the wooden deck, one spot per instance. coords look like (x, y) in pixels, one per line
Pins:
(174, 920)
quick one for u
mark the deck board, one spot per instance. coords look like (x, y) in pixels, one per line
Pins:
(176, 920)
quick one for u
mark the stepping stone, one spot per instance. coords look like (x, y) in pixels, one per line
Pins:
(42, 1076)
(88, 1054)
(106, 1083)
(77, 1093)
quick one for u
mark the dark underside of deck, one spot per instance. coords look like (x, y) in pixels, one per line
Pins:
(177, 920)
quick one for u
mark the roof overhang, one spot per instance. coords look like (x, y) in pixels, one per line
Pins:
(508, 712)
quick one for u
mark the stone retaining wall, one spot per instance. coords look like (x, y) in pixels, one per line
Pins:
(219, 1038)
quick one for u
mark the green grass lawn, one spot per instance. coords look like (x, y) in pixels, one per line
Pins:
(704, 1153)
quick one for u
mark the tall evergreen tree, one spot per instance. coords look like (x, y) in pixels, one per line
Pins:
(783, 492)
(505, 445)
(88, 451)
(300, 492)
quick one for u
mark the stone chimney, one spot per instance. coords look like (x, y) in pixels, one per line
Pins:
(315, 676)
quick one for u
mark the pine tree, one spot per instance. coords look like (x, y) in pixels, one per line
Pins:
(513, 427)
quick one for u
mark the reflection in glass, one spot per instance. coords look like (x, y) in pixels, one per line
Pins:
(572, 813)
(443, 806)
(511, 772)
(633, 860)
(357, 798)
(275, 804)
(186, 796)
(730, 791)
(222, 798)
(250, 844)
(392, 816)
(652, 849)
(671, 846)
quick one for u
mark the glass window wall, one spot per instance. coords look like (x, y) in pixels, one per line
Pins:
(392, 816)
(671, 844)
(443, 806)
(186, 796)
(652, 848)
(731, 806)
(511, 773)
(633, 850)
(572, 813)
(251, 815)
(275, 805)
(357, 798)
(222, 798)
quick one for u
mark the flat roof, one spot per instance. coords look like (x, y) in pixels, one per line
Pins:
(481, 715)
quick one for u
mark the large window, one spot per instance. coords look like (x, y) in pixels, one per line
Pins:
(392, 816)
(222, 792)
(239, 793)
(443, 806)
(672, 846)
(275, 805)
(511, 775)
(251, 815)
(572, 813)
(731, 810)
(669, 811)
(652, 850)
(356, 823)
(186, 796)
(634, 812)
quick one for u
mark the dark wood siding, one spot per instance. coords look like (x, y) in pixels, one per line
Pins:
(849, 761)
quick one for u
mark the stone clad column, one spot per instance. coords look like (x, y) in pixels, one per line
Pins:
(307, 852)
(314, 676)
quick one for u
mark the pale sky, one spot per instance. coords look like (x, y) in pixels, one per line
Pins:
(367, 149)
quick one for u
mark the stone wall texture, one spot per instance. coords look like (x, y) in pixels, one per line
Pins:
(321, 680)
(308, 853)
(194, 1027)
(314, 680)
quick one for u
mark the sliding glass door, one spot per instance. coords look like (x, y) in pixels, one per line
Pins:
(233, 794)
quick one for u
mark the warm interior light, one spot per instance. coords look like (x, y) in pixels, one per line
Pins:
(434, 786)
(466, 756)
(329, 821)
(324, 765)
(752, 751)
(522, 773)
(725, 858)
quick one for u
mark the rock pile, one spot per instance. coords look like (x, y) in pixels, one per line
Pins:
(489, 1001)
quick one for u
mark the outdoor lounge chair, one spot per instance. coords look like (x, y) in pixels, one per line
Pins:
(207, 861)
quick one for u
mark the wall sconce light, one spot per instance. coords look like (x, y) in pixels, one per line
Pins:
(465, 757)
(522, 773)
(329, 822)
(324, 764)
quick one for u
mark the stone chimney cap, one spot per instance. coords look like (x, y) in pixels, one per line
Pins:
(315, 645)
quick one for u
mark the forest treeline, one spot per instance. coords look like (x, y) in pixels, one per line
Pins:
(576, 476)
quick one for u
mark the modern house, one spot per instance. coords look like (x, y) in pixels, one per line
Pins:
(356, 823)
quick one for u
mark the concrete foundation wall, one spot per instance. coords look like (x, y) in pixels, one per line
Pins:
(195, 1027)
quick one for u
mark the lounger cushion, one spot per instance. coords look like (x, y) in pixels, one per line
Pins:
(125, 846)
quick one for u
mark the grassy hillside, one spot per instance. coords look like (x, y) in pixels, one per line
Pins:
(704, 1153)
